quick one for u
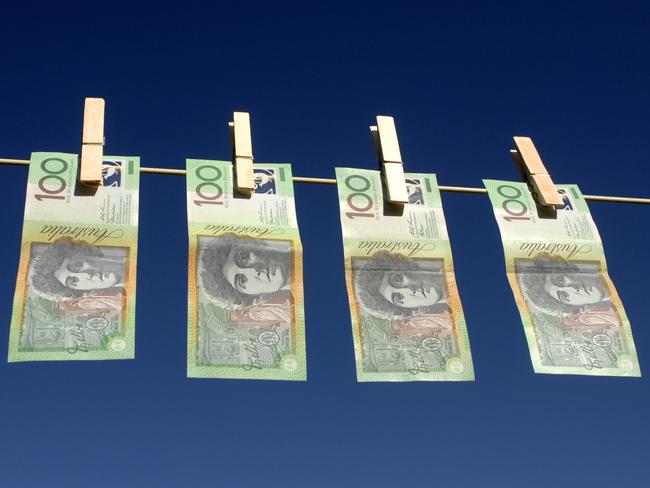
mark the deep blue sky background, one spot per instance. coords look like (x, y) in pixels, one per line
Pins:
(461, 80)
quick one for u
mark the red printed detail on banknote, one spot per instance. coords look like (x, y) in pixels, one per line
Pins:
(276, 310)
(424, 322)
(604, 316)
(104, 302)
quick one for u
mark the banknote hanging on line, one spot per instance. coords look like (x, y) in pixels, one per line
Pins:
(572, 315)
(245, 294)
(75, 291)
(407, 318)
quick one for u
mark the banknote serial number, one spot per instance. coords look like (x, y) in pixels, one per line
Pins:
(208, 190)
(358, 201)
(53, 168)
(516, 209)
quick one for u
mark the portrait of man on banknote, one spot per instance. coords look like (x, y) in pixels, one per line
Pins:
(391, 286)
(562, 288)
(68, 269)
(238, 271)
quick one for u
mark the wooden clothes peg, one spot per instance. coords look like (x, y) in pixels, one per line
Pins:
(242, 152)
(390, 158)
(92, 142)
(527, 157)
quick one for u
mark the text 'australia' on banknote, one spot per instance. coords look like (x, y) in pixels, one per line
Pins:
(75, 291)
(407, 318)
(245, 294)
(573, 317)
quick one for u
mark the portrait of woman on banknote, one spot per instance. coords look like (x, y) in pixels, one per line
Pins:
(69, 269)
(572, 290)
(236, 271)
(391, 286)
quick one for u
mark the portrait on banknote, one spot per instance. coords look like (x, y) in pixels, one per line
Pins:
(246, 275)
(391, 286)
(571, 311)
(69, 269)
(406, 323)
(563, 288)
(75, 296)
(250, 280)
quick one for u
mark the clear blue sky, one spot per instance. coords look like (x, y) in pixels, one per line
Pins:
(461, 81)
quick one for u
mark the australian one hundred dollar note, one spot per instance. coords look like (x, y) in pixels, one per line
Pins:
(75, 291)
(572, 315)
(245, 294)
(407, 318)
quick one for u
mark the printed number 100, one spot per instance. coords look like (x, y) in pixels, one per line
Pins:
(52, 171)
(208, 190)
(515, 209)
(357, 200)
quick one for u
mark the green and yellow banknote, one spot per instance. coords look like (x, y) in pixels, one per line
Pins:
(245, 295)
(572, 315)
(407, 319)
(75, 292)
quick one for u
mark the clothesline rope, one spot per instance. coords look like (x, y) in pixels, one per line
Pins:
(332, 181)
